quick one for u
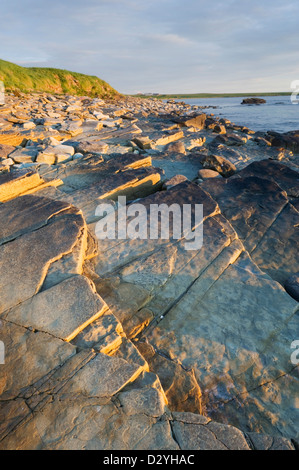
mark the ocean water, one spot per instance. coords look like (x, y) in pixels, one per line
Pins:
(278, 114)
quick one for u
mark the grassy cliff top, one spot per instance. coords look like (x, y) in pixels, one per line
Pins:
(37, 79)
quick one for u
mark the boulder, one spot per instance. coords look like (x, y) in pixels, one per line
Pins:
(45, 158)
(219, 129)
(26, 155)
(205, 174)
(219, 164)
(254, 101)
(288, 140)
(28, 125)
(5, 150)
(7, 161)
(143, 142)
(174, 181)
(229, 139)
(176, 147)
(192, 120)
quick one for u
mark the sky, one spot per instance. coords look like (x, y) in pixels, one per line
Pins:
(159, 46)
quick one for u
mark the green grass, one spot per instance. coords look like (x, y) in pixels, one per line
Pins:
(57, 81)
(213, 95)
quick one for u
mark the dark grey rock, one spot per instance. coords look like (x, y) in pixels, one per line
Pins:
(292, 286)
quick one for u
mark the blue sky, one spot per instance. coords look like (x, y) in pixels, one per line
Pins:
(166, 46)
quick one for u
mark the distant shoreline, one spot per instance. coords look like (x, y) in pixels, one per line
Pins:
(211, 95)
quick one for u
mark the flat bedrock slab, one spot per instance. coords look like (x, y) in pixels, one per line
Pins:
(262, 215)
(63, 310)
(15, 183)
(27, 259)
(203, 334)
(32, 213)
(29, 356)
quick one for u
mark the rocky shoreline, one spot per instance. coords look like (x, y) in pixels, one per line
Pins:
(139, 344)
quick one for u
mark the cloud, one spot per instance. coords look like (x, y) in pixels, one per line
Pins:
(174, 39)
(165, 45)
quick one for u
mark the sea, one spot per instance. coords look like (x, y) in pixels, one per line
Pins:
(279, 114)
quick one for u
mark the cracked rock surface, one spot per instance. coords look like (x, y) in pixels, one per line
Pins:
(141, 343)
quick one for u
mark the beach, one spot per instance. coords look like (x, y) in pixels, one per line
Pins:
(136, 342)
